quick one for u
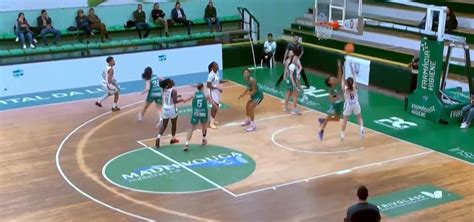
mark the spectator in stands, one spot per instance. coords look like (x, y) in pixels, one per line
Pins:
(139, 17)
(96, 24)
(451, 21)
(413, 65)
(210, 15)
(269, 49)
(178, 16)
(45, 25)
(468, 114)
(159, 17)
(362, 211)
(82, 23)
(23, 30)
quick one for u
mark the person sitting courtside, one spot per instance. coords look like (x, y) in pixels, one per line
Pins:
(96, 24)
(45, 25)
(269, 49)
(139, 17)
(178, 16)
(363, 211)
(83, 23)
(23, 31)
(210, 15)
(468, 114)
(159, 17)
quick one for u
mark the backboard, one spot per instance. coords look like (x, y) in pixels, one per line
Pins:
(348, 13)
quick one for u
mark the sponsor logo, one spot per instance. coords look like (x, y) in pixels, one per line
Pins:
(304, 99)
(396, 123)
(231, 159)
(455, 114)
(413, 199)
(462, 153)
(428, 68)
(421, 111)
(162, 57)
(147, 171)
(51, 96)
(17, 73)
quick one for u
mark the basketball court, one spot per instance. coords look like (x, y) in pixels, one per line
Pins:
(280, 172)
(64, 159)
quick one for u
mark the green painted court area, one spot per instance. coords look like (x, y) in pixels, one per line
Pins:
(147, 170)
(382, 113)
(412, 199)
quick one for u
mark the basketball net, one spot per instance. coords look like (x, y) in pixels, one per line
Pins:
(323, 30)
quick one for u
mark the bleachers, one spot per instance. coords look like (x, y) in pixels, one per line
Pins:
(376, 39)
(123, 37)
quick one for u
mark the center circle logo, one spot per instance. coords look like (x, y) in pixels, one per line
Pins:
(145, 170)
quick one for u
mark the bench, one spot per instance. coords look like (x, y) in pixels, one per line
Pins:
(121, 28)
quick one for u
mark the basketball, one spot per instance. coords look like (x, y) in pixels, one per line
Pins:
(349, 47)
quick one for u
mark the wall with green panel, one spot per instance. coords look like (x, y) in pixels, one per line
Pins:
(382, 74)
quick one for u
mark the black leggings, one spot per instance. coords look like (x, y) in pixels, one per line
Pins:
(303, 75)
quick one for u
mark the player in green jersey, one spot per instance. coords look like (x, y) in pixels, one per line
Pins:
(199, 115)
(153, 91)
(256, 97)
(336, 99)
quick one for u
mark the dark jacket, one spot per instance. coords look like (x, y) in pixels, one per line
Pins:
(174, 13)
(139, 16)
(20, 28)
(81, 20)
(39, 20)
(210, 12)
(155, 14)
(451, 21)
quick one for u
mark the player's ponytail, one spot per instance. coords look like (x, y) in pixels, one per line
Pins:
(199, 86)
(350, 83)
(147, 73)
(209, 68)
(164, 83)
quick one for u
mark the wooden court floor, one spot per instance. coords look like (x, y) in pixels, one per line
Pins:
(52, 160)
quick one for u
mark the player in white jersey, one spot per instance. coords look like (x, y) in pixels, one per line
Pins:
(169, 110)
(293, 85)
(213, 82)
(351, 103)
(109, 84)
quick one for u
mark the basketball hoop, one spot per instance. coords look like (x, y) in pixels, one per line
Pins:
(324, 29)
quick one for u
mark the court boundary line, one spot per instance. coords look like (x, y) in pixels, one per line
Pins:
(381, 133)
(188, 169)
(137, 190)
(72, 185)
(339, 172)
(305, 151)
(83, 193)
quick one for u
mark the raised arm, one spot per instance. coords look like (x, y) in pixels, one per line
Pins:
(339, 70)
(353, 75)
(343, 79)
